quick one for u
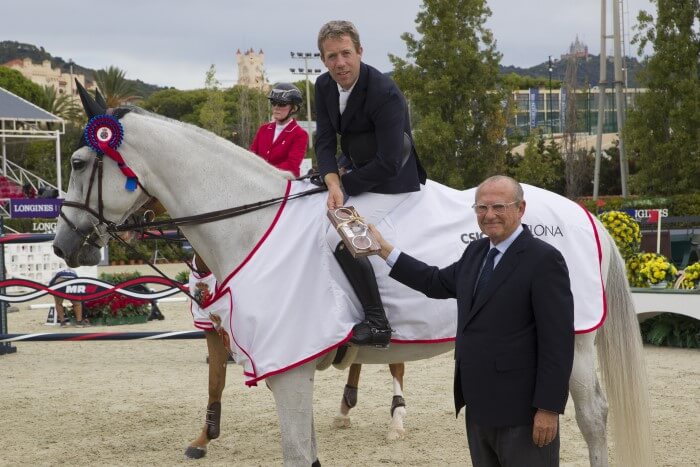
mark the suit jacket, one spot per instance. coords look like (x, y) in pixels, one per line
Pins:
(374, 106)
(515, 342)
(287, 151)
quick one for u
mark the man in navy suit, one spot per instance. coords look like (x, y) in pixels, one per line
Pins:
(379, 166)
(515, 330)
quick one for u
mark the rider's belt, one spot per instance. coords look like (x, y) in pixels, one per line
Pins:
(361, 148)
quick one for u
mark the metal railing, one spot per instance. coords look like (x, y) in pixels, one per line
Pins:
(20, 175)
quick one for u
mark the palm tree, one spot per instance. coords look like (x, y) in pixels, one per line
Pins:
(61, 105)
(115, 87)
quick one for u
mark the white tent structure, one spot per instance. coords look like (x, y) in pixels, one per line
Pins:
(20, 119)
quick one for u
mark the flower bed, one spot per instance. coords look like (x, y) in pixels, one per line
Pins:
(650, 269)
(116, 308)
(624, 229)
(691, 277)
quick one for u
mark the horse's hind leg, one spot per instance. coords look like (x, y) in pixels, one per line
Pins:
(589, 401)
(218, 357)
(349, 400)
(293, 391)
(398, 404)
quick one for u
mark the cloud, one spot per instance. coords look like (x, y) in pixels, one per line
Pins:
(172, 43)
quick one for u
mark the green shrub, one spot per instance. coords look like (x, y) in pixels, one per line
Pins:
(183, 276)
(668, 329)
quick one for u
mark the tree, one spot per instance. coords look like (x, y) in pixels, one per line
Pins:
(61, 105)
(514, 81)
(301, 115)
(451, 83)
(248, 109)
(541, 165)
(176, 104)
(212, 113)
(661, 132)
(114, 86)
(16, 83)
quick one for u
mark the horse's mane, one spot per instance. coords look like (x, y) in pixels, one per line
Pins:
(208, 135)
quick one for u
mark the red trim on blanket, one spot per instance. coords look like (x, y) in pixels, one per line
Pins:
(224, 283)
(254, 381)
(600, 267)
(223, 287)
(230, 327)
(203, 326)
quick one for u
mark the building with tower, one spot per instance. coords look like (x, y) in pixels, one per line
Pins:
(251, 69)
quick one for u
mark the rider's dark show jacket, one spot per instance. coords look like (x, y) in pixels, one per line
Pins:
(375, 135)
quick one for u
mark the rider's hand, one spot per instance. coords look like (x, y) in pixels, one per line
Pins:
(335, 194)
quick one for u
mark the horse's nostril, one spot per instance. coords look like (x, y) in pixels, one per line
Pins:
(57, 251)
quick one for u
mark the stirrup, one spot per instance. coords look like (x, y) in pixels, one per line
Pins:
(371, 335)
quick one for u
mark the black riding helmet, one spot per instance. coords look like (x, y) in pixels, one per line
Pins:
(286, 93)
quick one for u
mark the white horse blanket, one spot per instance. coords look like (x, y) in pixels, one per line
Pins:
(288, 302)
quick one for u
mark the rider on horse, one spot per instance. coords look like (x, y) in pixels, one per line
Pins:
(370, 114)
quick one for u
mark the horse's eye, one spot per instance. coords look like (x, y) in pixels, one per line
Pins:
(78, 164)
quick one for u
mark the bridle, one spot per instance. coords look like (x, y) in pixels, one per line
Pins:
(92, 237)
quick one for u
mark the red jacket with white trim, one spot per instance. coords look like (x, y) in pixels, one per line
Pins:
(287, 151)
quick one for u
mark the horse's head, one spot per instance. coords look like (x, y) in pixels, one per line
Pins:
(102, 190)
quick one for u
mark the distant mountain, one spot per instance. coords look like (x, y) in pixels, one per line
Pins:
(11, 50)
(588, 71)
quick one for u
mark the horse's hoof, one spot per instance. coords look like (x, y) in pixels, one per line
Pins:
(395, 434)
(341, 421)
(195, 452)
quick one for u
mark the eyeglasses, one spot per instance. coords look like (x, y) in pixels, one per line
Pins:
(355, 230)
(498, 208)
(279, 104)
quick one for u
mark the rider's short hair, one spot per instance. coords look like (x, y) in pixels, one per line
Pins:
(336, 30)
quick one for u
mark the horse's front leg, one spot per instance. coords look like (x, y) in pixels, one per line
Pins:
(218, 357)
(398, 404)
(349, 400)
(293, 391)
(589, 400)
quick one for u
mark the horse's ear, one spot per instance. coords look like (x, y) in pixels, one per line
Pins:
(92, 108)
(99, 99)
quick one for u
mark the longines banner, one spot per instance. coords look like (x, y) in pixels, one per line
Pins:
(36, 207)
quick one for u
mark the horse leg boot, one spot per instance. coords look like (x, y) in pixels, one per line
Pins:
(349, 399)
(398, 404)
(218, 357)
(375, 329)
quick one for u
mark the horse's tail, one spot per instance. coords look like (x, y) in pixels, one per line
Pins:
(621, 359)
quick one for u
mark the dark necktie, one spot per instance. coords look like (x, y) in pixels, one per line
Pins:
(486, 271)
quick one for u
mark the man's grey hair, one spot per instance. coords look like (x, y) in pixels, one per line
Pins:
(517, 188)
(336, 30)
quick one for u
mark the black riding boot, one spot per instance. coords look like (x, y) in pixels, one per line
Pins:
(375, 329)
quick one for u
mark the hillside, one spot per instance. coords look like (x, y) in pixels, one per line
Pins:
(11, 50)
(588, 71)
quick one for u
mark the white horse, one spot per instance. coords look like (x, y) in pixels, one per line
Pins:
(192, 171)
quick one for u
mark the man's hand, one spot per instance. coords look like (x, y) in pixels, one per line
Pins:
(544, 428)
(335, 194)
(386, 246)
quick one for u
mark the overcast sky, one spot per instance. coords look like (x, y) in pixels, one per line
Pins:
(173, 42)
